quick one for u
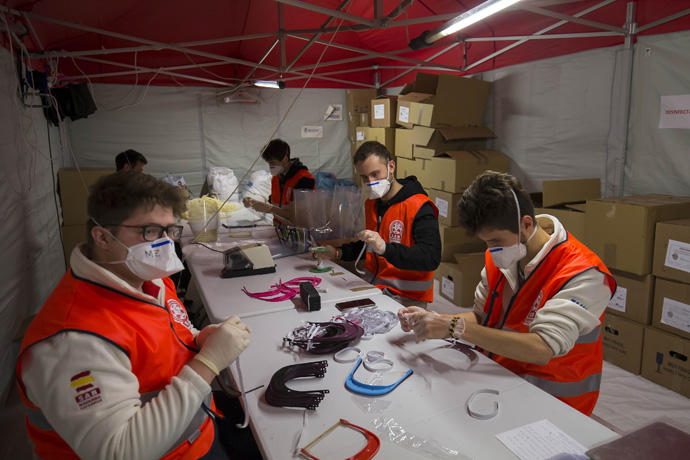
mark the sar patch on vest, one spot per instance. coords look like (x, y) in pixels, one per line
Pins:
(179, 314)
(395, 231)
(88, 393)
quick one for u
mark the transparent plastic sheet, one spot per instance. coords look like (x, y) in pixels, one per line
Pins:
(347, 211)
(372, 319)
(389, 429)
(312, 211)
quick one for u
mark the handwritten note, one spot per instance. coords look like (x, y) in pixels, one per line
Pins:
(540, 440)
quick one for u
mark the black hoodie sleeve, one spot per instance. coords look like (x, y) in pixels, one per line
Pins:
(425, 253)
(350, 251)
(305, 183)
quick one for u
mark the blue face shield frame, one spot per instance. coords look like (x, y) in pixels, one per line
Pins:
(371, 390)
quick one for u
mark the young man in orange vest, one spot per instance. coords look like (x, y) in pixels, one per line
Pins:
(404, 245)
(539, 306)
(288, 175)
(111, 367)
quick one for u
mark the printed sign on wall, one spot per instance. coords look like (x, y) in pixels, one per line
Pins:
(675, 112)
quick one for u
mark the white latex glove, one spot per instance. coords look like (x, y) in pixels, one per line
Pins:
(255, 204)
(407, 316)
(204, 334)
(374, 241)
(224, 344)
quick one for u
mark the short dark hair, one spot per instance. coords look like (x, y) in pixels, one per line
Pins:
(277, 149)
(115, 197)
(128, 157)
(371, 148)
(488, 203)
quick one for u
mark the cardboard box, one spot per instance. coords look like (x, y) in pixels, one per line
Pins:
(71, 236)
(383, 112)
(456, 170)
(573, 221)
(442, 100)
(458, 281)
(385, 136)
(447, 204)
(425, 142)
(73, 196)
(359, 100)
(364, 119)
(458, 240)
(666, 360)
(421, 169)
(621, 230)
(672, 250)
(557, 192)
(634, 297)
(622, 342)
(672, 307)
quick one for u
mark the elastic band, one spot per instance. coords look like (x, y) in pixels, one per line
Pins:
(339, 356)
(375, 358)
(478, 415)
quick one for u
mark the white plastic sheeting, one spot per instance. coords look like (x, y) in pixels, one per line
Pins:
(658, 160)
(186, 131)
(551, 117)
(30, 247)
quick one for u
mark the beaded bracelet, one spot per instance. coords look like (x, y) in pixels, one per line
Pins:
(453, 323)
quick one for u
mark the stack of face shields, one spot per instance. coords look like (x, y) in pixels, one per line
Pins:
(372, 319)
(278, 394)
(327, 337)
(294, 240)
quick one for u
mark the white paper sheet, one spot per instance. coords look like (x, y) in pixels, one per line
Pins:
(540, 441)
(678, 255)
(442, 206)
(379, 111)
(675, 112)
(676, 314)
(619, 298)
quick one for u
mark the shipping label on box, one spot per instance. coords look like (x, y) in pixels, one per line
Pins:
(622, 342)
(621, 230)
(672, 307)
(672, 250)
(665, 360)
(634, 297)
(458, 281)
(447, 204)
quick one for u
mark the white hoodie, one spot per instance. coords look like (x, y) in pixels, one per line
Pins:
(118, 426)
(572, 312)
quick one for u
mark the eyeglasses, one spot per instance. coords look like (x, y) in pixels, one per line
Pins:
(153, 232)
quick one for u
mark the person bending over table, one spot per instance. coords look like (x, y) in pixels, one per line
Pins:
(288, 175)
(111, 367)
(540, 302)
(401, 230)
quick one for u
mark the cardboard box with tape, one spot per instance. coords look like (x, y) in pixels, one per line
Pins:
(634, 297)
(454, 171)
(621, 230)
(622, 342)
(458, 240)
(447, 204)
(385, 136)
(383, 112)
(572, 219)
(666, 360)
(426, 142)
(442, 100)
(672, 250)
(421, 169)
(357, 102)
(672, 307)
(458, 281)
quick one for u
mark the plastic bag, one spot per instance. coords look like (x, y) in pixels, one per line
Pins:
(222, 182)
(391, 430)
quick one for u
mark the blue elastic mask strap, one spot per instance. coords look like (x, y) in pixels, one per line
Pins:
(371, 390)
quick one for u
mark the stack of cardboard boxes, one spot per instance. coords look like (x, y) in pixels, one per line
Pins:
(73, 197)
(566, 201)
(647, 324)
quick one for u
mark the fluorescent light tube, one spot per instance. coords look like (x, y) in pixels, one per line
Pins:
(269, 84)
(474, 15)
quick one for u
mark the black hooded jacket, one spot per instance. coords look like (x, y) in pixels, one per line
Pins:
(425, 254)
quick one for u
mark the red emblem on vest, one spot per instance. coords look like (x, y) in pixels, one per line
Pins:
(179, 314)
(395, 231)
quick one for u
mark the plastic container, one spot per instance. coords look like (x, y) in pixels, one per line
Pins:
(208, 235)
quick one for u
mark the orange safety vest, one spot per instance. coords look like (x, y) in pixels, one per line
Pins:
(156, 339)
(396, 227)
(283, 196)
(575, 377)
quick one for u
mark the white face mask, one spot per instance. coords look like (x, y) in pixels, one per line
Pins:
(275, 170)
(507, 256)
(151, 260)
(379, 188)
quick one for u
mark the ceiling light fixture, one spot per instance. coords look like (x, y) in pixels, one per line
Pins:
(269, 84)
(466, 19)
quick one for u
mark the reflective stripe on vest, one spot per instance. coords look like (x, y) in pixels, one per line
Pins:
(566, 389)
(590, 337)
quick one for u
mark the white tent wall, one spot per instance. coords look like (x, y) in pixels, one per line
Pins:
(32, 260)
(551, 117)
(185, 130)
(658, 160)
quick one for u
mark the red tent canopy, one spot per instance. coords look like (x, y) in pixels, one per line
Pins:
(351, 43)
